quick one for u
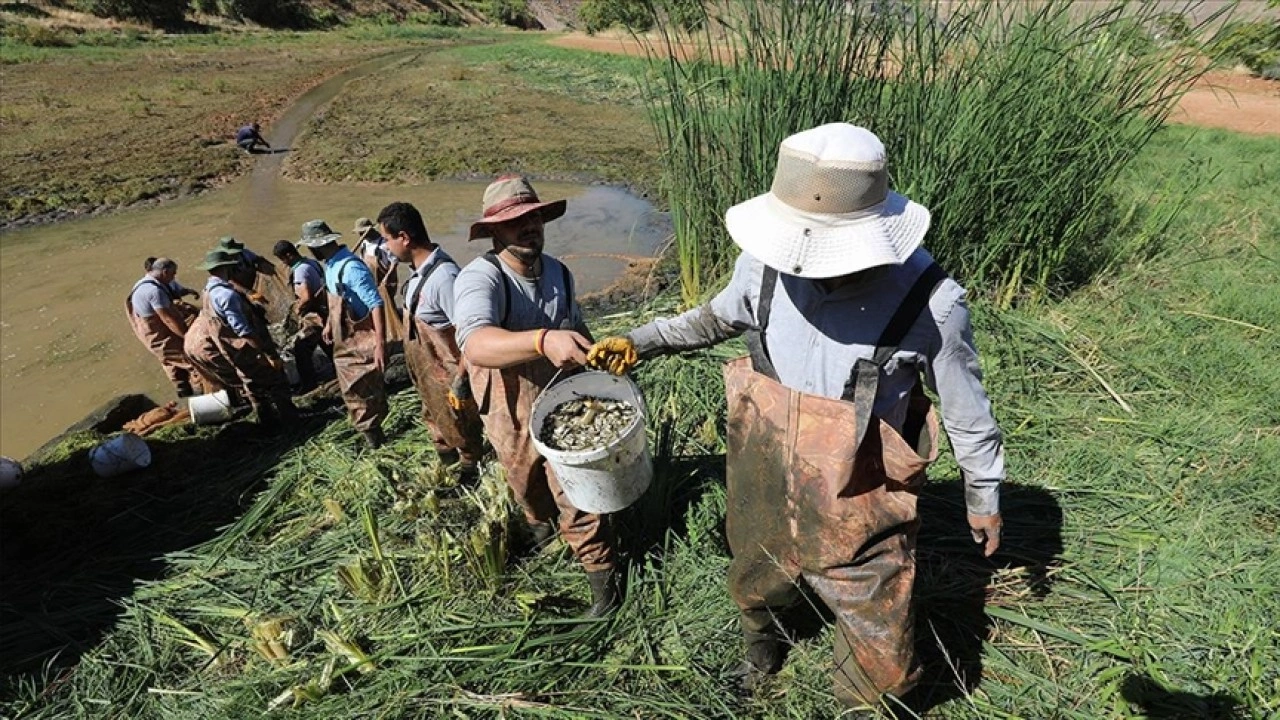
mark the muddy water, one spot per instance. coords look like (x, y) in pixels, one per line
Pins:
(66, 347)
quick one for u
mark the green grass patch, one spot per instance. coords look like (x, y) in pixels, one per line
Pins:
(1138, 575)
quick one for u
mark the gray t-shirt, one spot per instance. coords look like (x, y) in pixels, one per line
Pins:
(147, 295)
(481, 300)
(429, 291)
(815, 338)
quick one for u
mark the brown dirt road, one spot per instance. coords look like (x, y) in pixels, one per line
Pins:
(1224, 100)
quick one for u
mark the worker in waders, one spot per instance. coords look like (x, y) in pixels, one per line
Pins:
(378, 257)
(160, 325)
(310, 309)
(518, 324)
(230, 346)
(829, 433)
(356, 329)
(430, 349)
(249, 265)
(178, 293)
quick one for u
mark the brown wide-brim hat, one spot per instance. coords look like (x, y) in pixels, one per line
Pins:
(510, 197)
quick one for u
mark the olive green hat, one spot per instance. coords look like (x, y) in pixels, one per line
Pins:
(218, 258)
(230, 245)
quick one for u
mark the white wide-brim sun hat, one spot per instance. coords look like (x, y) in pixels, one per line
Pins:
(830, 211)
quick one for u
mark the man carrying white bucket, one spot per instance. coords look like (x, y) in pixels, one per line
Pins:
(229, 344)
(829, 433)
(518, 322)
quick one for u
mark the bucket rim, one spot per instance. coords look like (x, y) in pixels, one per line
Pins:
(597, 453)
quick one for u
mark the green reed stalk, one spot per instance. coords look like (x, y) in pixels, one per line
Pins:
(1010, 121)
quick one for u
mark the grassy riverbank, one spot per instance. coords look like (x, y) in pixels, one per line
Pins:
(482, 110)
(1137, 578)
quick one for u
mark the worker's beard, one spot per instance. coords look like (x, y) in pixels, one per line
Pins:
(530, 247)
(526, 255)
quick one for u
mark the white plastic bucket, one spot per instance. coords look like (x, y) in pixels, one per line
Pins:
(121, 454)
(604, 479)
(210, 409)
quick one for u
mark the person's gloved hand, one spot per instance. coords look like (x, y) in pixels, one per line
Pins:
(460, 392)
(616, 355)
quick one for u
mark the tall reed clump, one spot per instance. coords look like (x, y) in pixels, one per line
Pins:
(1010, 121)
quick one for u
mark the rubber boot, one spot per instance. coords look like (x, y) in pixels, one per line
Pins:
(605, 597)
(374, 438)
(268, 418)
(468, 473)
(540, 533)
(763, 658)
(287, 410)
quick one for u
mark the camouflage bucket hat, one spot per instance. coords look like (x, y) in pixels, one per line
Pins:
(316, 233)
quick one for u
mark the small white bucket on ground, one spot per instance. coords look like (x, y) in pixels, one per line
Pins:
(121, 454)
(211, 409)
(604, 479)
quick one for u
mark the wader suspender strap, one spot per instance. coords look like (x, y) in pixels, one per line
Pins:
(149, 281)
(864, 381)
(417, 297)
(492, 258)
(755, 338)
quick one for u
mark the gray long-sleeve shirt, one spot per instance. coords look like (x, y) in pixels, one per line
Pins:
(815, 337)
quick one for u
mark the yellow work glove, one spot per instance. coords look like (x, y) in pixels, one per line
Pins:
(616, 355)
(460, 392)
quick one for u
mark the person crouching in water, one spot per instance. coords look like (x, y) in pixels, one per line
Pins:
(160, 325)
(310, 307)
(230, 345)
(357, 329)
(439, 373)
(519, 324)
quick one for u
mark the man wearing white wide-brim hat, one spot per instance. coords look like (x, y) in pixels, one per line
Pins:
(829, 433)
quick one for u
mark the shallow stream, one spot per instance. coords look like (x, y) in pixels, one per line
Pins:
(65, 343)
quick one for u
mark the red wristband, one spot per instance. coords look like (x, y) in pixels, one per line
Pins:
(537, 341)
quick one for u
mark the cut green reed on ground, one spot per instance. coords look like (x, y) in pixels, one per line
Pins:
(1010, 121)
